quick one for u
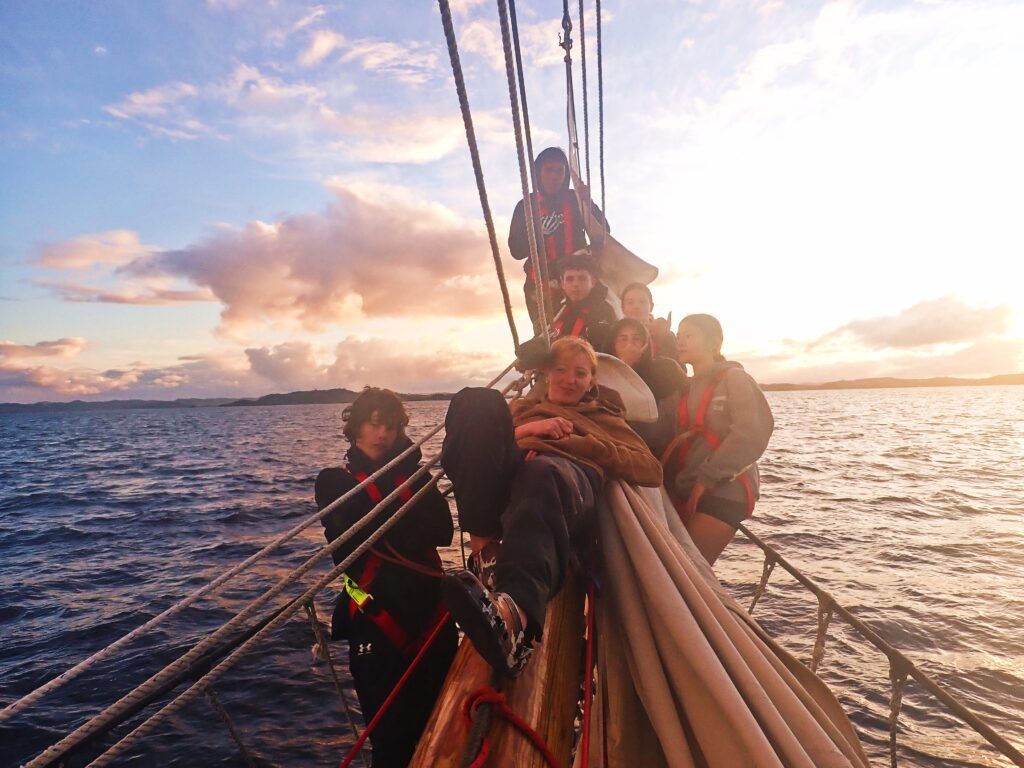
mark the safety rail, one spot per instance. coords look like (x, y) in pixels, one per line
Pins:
(900, 667)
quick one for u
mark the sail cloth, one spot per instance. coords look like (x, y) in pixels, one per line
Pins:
(685, 676)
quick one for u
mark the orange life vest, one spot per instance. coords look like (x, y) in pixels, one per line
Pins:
(674, 457)
(578, 327)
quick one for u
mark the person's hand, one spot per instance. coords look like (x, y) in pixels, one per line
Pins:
(694, 500)
(659, 325)
(554, 428)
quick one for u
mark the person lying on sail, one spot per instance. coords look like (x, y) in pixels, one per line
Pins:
(630, 341)
(561, 225)
(391, 599)
(638, 303)
(585, 311)
(526, 476)
(723, 426)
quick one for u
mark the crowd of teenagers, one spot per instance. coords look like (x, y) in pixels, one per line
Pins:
(527, 475)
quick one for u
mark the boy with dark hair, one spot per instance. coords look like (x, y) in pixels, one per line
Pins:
(391, 599)
(586, 313)
(560, 227)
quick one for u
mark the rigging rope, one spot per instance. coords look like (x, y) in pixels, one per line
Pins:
(218, 707)
(531, 231)
(528, 134)
(216, 672)
(386, 705)
(586, 113)
(474, 153)
(570, 100)
(30, 698)
(600, 106)
(125, 703)
(487, 695)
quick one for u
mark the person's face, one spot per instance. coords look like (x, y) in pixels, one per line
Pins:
(552, 176)
(577, 284)
(375, 438)
(636, 306)
(691, 343)
(569, 378)
(629, 346)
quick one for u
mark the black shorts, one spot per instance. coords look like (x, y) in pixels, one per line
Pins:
(728, 511)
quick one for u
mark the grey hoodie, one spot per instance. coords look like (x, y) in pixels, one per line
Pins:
(739, 415)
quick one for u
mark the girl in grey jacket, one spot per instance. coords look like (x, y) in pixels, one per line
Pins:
(723, 424)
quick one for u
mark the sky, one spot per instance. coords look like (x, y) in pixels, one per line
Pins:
(229, 198)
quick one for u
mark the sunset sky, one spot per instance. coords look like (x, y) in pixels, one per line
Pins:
(232, 198)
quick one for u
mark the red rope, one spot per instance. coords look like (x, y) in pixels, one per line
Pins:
(588, 686)
(394, 692)
(487, 695)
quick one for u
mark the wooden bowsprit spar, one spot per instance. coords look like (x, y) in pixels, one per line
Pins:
(544, 696)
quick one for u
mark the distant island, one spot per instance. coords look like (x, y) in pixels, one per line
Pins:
(892, 383)
(342, 395)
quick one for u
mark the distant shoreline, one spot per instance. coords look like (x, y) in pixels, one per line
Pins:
(342, 396)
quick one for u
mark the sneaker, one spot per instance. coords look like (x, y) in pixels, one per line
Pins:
(481, 564)
(491, 621)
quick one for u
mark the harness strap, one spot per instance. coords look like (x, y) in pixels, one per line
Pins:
(568, 228)
(678, 449)
(578, 326)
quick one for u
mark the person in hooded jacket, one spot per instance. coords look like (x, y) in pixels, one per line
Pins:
(560, 225)
(722, 424)
(401, 574)
(630, 341)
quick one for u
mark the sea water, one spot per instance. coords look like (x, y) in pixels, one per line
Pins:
(907, 505)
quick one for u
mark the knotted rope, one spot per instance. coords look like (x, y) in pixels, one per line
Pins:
(766, 571)
(826, 607)
(487, 695)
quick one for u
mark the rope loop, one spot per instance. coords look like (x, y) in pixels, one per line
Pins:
(766, 571)
(487, 695)
(826, 607)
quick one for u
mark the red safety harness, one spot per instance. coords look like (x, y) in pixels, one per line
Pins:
(674, 457)
(383, 620)
(578, 327)
(550, 245)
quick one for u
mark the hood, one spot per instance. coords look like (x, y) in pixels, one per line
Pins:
(547, 155)
(359, 462)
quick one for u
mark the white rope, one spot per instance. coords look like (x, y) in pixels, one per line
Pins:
(30, 698)
(118, 708)
(216, 672)
(826, 607)
(531, 232)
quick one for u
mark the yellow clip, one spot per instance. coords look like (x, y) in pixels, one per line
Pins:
(359, 596)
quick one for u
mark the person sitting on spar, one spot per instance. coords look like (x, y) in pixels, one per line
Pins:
(723, 424)
(638, 304)
(560, 225)
(391, 601)
(585, 312)
(526, 475)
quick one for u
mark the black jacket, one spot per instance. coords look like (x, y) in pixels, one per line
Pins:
(410, 597)
(552, 225)
(600, 317)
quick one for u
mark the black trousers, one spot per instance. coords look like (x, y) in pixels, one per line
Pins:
(376, 667)
(535, 506)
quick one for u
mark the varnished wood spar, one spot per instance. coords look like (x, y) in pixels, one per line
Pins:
(544, 695)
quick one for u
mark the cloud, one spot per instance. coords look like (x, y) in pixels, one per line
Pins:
(938, 321)
(65, 347)
(538, 43)
(419, 365)
(113, 247)
(249, 90)
(322, 44)
(161, 110)
(375, 251)
(412, 64)
(100, 51)
(138, 293)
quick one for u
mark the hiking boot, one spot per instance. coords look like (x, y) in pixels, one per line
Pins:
(491, 621)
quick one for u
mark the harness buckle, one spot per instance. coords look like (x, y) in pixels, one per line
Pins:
(358, 595)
